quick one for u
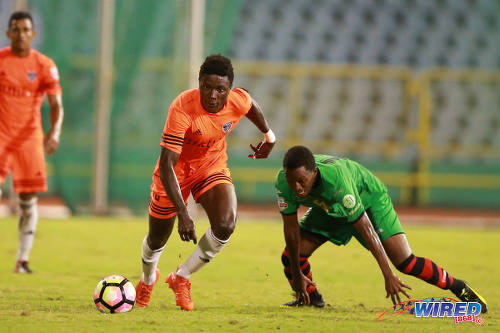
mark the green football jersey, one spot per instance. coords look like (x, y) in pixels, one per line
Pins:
(346, 189)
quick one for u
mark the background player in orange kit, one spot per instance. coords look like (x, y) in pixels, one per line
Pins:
(26, 76)
(193, 159)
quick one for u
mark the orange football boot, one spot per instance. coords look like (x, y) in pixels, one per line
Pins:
(182, 289)
(143, 291)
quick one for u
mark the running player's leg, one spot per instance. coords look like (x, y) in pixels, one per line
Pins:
(153, 245)
(29, 176)
(215, 192)
(388, 226)
(161, 222)
(219, 203)
(28, 220)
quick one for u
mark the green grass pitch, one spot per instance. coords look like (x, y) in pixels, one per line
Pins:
(240, 291)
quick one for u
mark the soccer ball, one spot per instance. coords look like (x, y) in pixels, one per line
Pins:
(114, 294)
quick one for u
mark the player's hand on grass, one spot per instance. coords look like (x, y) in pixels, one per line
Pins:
(51, 142)
(186, 227)
(262, 150)
(300, 285)
(394, 286)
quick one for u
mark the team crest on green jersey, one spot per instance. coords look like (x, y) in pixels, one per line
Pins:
(349, 201)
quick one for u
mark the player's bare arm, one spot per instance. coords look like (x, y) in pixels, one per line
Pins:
(52, 138)
(292, 238)
(185, 224)
(256, 116)
(393, 285)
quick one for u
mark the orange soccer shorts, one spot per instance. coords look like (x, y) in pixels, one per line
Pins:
(27, 163)
(160, 205)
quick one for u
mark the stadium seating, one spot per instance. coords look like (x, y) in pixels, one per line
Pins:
(397, 32)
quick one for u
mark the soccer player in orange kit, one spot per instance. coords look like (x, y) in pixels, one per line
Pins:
(193, 159)
(26, 76)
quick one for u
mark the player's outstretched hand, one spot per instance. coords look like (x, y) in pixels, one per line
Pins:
(394, 286)
(186, 228)
(50, 143)
(262, 150)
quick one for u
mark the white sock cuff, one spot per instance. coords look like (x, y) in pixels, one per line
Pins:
(207, 249)
(211, 245)
(149, 255)
(210, 233)
(23, 204)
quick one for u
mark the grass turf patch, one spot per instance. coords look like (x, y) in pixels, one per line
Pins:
(240, 291)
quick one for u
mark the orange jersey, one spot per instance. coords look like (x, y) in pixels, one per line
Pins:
(197, 135)
(23, 83)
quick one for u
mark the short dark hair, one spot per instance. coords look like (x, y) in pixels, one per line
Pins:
(219, 65)
(299, 156)
(20, 15)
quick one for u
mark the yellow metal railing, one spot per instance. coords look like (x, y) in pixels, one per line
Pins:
(424, 178)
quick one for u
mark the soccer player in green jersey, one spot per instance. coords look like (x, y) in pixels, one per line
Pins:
(347, 200)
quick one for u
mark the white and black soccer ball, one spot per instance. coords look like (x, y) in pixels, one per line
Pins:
(114, 294)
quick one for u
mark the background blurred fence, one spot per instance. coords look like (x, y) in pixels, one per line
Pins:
(409, 88)
(429, 149)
